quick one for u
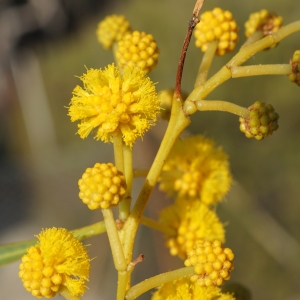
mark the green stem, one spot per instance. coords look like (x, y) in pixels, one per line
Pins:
(256, 36)
(118, 152)
(64, 292)
(278, 69)
(123, 280)
(178, 122)
(124, 206)
(156, 281)
(206, 63)
(114, 240)
(219, 105)
(286, 31)
(157, 226)
(89, 231)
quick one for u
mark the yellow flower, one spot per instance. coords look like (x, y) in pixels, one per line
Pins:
(59, 259)
(190, 221)
(196, 168)
(217, 25)
(111, 30)
(114, 102)
(211, 261)
(184, 289)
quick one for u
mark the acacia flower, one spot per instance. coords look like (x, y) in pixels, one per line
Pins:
(185, 289)
(190, 221)
(114, 101)
(196, 168)
(59, 259)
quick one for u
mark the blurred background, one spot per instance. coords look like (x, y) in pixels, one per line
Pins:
(46, 44)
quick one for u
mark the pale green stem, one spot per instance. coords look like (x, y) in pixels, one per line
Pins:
(114, 240)
(256, 36)
(278, 69)
(124, 206)
(118, 152)
(156, 281)
(178, 122)
(206, 63)
(140, 172)
(286, 31)
(157, 226)
(219, 105)
(63, 291)
(89, 231)
(123, 284)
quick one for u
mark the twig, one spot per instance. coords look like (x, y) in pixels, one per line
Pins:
(192, 23)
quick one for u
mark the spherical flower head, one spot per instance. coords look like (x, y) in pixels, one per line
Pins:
(217, 25)
(58, 260)
(196, 168)
(189, 221)
(166, 98)
(185, 289)
(102, 186)
(295, 63)
(212, 263)
(261, 122)
(111, 30)
(115, 102)
(137, 49)
(262, 20)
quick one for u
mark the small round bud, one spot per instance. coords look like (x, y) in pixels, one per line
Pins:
(295, 63)
(137, 49)
(166, 98)
(217, 25)
(262, 20)
(212, 263)
(102, 186)
(261, 122)
(111, 30)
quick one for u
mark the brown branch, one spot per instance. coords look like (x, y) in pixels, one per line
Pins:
(192, 23)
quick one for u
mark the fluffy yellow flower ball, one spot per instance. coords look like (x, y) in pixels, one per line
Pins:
(196, 168)
(185, 289)
(189, 221)
(115, 102)
(58, 261)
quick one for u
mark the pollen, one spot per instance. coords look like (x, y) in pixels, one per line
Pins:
(212, 263)
(111, 30)
(102, 186)
(137, 49)
(58, 259)
(217, 25)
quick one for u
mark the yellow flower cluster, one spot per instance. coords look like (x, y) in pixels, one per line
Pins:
(116, 102)
(197, 169)
(295, 63)
(186, 289)
(191, 221)
(59, 259)
(137, 49)
(102, 186)
(262, 20)
(217, 25)
(111, 30)
(212, 263)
